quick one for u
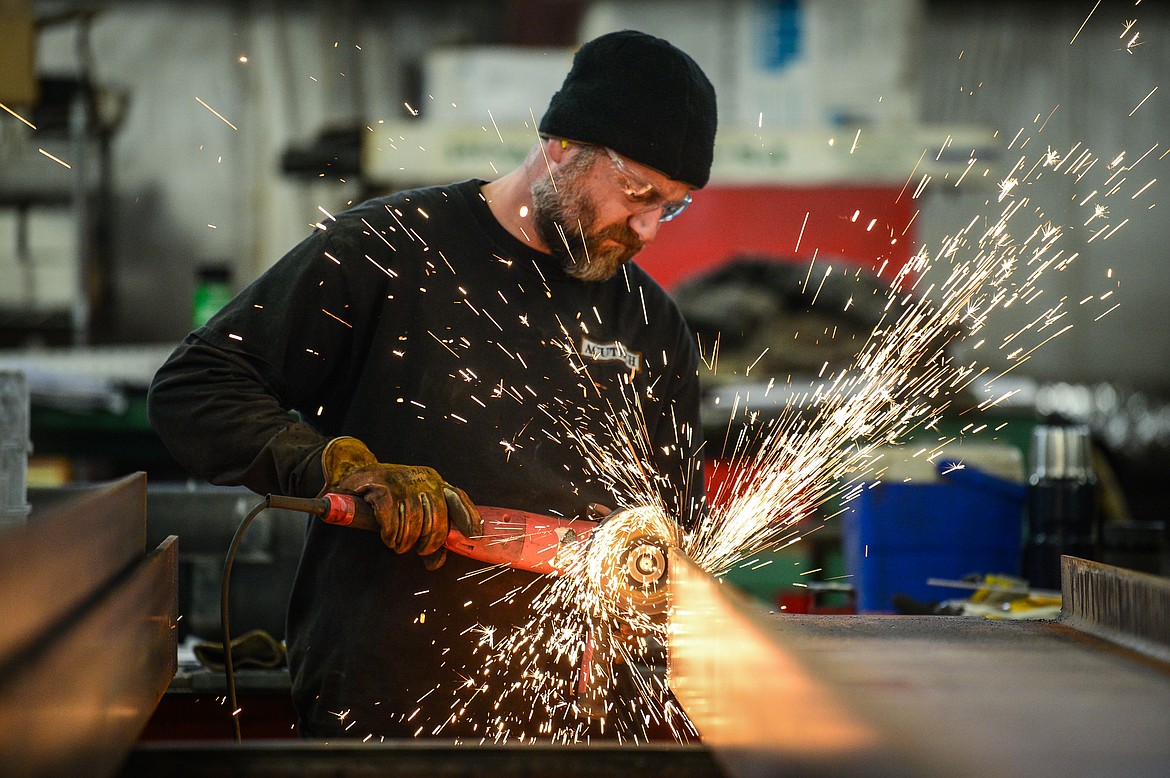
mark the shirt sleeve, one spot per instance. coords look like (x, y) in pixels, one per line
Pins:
(219, 415)
(225, 403)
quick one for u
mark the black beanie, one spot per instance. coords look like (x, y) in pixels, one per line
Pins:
(643, 98)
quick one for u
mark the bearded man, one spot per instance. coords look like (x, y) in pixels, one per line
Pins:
(451, 346)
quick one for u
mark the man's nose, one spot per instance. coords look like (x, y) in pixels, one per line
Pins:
(645, 225)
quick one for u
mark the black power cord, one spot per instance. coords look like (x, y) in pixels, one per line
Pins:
(229, 669)
(314, 506)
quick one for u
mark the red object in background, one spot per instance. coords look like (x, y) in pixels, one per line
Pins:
(807, 602)
(721, 477)
(788, 223)
(796, 602)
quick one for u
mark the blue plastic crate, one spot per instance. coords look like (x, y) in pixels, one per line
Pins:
(899, 535)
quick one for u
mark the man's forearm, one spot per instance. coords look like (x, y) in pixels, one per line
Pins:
(222, 419)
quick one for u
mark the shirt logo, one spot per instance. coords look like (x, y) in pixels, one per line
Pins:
(614, 351)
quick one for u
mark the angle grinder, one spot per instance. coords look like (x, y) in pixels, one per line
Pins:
(625, 552)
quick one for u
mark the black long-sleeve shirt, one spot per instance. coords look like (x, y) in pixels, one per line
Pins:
(419, 325)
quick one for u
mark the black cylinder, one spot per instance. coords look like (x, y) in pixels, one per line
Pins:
(1062, 504)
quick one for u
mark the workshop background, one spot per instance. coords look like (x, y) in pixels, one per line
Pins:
(156, 156)
(179, 149)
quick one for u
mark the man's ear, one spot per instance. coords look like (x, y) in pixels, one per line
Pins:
(556, 149)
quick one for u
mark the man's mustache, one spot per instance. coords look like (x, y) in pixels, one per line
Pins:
(623, 235)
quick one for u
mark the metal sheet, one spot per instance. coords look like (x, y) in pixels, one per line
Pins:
(1122, 606)
(76, 704)
(66, 554)
(760, 708)
(931, 695)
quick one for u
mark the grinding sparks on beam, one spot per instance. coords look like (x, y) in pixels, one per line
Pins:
(901, 380)
(823, 447)
(614, 576)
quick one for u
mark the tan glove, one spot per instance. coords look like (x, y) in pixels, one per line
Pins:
(414, 506)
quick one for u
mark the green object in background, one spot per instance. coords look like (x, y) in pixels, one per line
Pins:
(770, 575)
(765, 574)
(213, 290)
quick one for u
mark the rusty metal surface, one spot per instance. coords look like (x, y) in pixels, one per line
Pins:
(909, 695)
(98, 647)
(1122, 606)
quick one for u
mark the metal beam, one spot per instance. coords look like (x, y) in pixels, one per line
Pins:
(1122, 606)
(909, 695)
(88, 661)
(66, 554)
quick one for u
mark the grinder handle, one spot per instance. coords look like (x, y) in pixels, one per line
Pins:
(515, 538)
(347, 510)
(342, 509)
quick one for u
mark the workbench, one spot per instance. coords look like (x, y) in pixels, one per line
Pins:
(772, 693)
(88, 646)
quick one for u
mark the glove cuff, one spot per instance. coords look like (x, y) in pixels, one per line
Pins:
(341, 457)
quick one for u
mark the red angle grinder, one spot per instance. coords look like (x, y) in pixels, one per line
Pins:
(634, 551)
(625, 552)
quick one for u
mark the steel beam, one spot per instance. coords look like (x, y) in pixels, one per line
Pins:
(1125, 607)
(87, 624)
(773, 693)
(65, 554)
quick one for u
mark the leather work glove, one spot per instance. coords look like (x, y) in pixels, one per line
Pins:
(414, 506)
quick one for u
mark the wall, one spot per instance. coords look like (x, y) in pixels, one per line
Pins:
(190, 189)
(1062, 73)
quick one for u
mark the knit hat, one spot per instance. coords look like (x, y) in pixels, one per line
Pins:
(643, 98)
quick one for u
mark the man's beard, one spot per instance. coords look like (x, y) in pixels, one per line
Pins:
(561, 213)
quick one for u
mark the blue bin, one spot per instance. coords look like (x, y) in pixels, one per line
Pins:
(899, 535)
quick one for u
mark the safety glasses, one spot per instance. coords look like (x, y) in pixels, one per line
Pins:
(642, 196)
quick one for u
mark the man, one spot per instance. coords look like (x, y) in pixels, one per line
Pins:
(442, 347)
